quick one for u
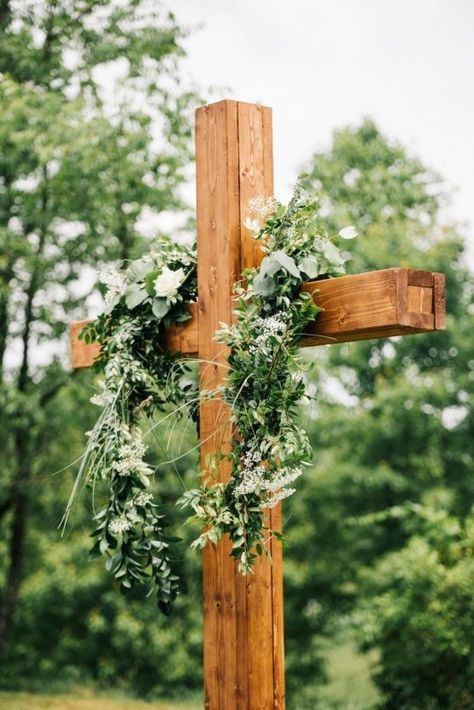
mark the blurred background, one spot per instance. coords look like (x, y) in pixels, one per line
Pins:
(374, 101)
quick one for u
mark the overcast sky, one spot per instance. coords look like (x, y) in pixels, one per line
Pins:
(321, 64)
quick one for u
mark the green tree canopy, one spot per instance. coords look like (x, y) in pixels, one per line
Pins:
(79, 167)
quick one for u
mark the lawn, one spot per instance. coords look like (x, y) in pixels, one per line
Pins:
(349, 688)
(81, 701)
(349, 684)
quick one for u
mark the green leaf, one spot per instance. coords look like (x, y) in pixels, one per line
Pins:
(138, 269)
(134, 296)
(264, 285)
(160, 307)
(287, 262)
(309, 266)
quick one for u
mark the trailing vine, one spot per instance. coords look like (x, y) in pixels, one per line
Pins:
(140, 379)
(264, 386)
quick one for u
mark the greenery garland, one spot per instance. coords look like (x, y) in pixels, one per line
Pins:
(263, 388)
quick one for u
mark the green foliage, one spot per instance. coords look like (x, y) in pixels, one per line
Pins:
(79, 167)
(141, 379)
(421, 615)
(398, 432)
(264, 384)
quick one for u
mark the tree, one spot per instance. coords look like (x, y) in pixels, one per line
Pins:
(390, 428)
(77, 172)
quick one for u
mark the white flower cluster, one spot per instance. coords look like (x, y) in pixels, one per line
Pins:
(253, 473)
(268, 327)
(286, 475)
(102, 398)
(254, 478)
(130, 455)
(260, 209)
(143, 499)
(277, 497)
(120, 524)
(115, 282)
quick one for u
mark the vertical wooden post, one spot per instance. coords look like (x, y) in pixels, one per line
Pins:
(243, 616)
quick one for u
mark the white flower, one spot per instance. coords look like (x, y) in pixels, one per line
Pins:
(277, 497)
(271, 326)
(115, 282)
(119, 525)
(143, 499)
(262, 207)
(348, 232)
(168, 282)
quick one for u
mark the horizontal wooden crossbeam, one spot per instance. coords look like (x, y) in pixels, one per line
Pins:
(376, 304)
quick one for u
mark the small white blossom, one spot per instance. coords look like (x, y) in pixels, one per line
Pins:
(348, 232)
(143, 499)
(130, 456)
(132, 515)
(277, 497)
(262, 207)
(259, 208)
(119, 524)
(286, 476)
(115, 282)
(167, 283)
(102, 398)
(268, 327)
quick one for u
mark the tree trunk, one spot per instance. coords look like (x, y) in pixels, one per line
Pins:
(16, 545)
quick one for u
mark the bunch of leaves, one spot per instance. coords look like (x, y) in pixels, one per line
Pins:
(264, 384)
(141, 378)
(420, 612)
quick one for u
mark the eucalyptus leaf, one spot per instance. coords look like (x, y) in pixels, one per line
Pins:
(138, 269)
(135, 295)
(264, 285)
(310, 266)
(287, 262)
(269, 266)
(160, 307)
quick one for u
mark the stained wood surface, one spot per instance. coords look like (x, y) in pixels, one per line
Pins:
(243, 616)
(182, 338)
(376, 304)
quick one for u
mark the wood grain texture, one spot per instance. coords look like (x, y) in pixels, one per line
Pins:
(218, 234)
(263, 632)
(375, 304)
(242, 616)
(182, 338)
(82, 354)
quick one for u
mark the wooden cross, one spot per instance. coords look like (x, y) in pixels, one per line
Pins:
(243, 616)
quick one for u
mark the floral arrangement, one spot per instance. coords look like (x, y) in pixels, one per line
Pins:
(263, 388)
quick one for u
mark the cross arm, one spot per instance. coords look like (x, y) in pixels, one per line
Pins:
(181, 338)
(376, 304)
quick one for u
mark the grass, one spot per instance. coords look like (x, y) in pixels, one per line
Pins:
(350, 686)
(86, 701)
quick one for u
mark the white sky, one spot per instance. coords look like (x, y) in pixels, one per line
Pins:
(321, 64)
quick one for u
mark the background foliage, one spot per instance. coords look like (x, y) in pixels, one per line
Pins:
(380, 532)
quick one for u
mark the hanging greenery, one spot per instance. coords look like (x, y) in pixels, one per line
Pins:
(263, 388)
